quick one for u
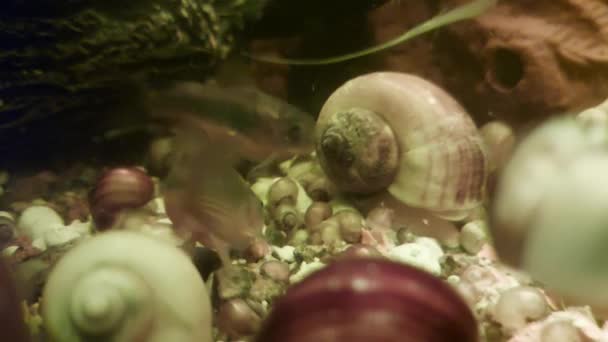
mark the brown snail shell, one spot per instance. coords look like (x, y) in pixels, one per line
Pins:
(395, 131)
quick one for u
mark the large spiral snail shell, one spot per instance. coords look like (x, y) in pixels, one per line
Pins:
(125, 286)
(395, 131)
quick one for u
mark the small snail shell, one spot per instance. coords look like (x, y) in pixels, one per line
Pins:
(126, 286)
(398, 131)
(116, 190)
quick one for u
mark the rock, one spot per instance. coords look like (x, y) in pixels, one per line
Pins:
(67, 63)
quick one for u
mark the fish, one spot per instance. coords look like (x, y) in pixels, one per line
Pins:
(252, 123)
(460, 13)
(217, 126)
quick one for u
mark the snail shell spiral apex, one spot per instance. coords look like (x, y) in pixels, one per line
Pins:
(400, 132)
(126, 286)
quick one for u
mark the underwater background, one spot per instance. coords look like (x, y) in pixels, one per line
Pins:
(363, 170)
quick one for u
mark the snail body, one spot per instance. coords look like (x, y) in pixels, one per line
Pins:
(126, 286)
(402, 133)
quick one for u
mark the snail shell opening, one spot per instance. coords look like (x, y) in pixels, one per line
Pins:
(358, 150)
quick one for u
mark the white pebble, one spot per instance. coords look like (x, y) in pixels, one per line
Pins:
(159, 204)
(285, 253)
(60, 236)
(518, 306)
(10, 250)
(35, 221)
(39, 244)
(305, 270)
(453, 279)
(418, 255)
(473, 236)
(82, 228)
(431, 244)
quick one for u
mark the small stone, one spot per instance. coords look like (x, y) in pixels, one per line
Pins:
(35, 221)
(561, 331)
(518, 306)
(418, 255)
(237, 319)
(10, 250)
(60, 236)
(473, 236)
(285, 253)
(258, 250)
(453, 279)
(276, 270)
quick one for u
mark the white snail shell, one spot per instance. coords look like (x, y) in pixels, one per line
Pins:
(549, 214)
(126, 286)
(395, 131)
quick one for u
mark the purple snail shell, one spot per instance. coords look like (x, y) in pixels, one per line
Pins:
(367, 299)
(116, 190)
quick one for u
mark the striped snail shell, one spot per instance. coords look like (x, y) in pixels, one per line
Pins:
(126, 286)
(395, 131)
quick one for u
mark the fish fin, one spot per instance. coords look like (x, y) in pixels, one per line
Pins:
(464, 12)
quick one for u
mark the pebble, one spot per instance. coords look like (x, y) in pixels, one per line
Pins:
(423, 254)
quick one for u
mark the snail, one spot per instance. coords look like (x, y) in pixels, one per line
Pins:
(401, 133)
(118, 189)
(126, 286)
(369, 299)
(548, 215)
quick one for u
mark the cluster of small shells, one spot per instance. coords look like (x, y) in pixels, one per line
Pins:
(310, 222)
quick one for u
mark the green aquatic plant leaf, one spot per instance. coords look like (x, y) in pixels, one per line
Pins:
(464, 12)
